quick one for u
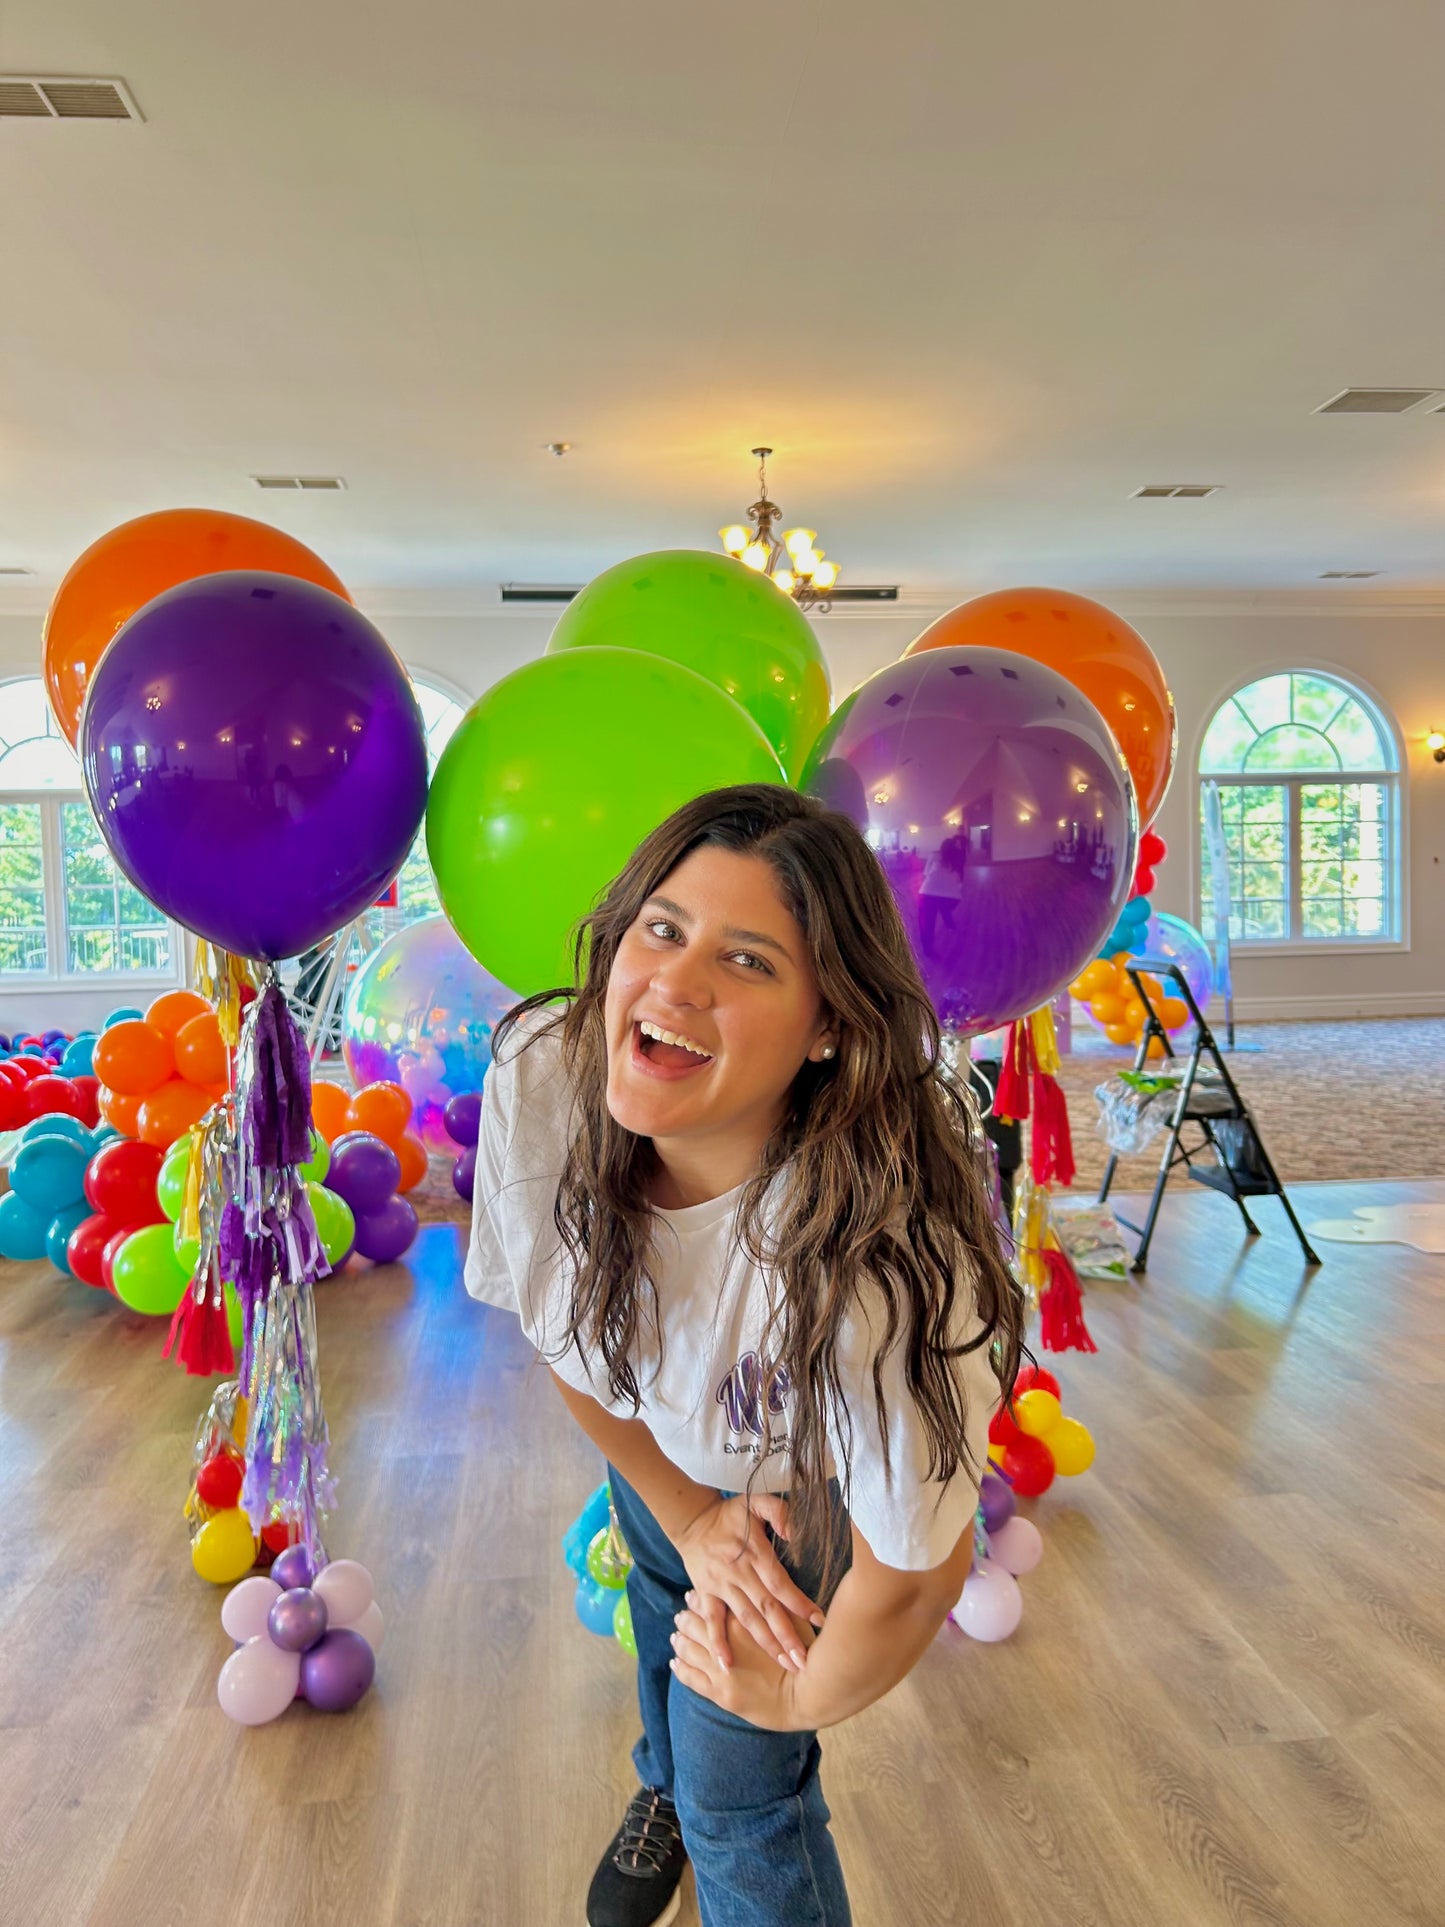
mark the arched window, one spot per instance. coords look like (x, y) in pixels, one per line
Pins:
(67, 915)
(1308, 776)
(415, 890)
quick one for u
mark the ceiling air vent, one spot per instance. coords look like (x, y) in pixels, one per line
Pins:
(1375, 401)
(327, 484)
(7, 569)
(1348, 575)
(561, 592)
(1175, 491)
(40, 97)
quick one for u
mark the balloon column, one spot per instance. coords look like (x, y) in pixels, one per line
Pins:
(1005, 1547)
(159, 1074)
(46, 1201)
(1030, 1439)
(375, 1155)
(596, 1553)
(420, 1012)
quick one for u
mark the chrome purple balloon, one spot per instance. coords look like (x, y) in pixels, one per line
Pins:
(464, 1174)
(383, 1235)
(363, 1170)
(1001, 810)
(297, 1619)
(335, 1673)
(255, 758)
(293, 1567)
(463, 1118)
(996, 1497)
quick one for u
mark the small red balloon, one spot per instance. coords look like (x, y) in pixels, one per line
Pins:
(1033, 1378)
(12, 1107)
(120, 1180)
(1152, 849)
(89, 1091)
(107, 1256)
(1003, 1429)
(1144, 881)
(30, 1064)
(49, 1096)
(85, 1248)
(1028, 1465)
(277, 1534)
(218, 1483)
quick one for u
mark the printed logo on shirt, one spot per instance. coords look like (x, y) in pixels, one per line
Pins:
(750, 1397)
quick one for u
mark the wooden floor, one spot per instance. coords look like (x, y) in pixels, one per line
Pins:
(1226, 1702)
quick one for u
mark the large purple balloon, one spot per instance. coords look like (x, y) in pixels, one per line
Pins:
(337, 1671)
(1002, 813)
(255, 758)
(363, 1170)
(384, 1234)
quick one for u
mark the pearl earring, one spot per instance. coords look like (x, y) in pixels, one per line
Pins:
(827, 1050)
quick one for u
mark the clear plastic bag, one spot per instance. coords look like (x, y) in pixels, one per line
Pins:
(1090, 1235)
(1131, 1117)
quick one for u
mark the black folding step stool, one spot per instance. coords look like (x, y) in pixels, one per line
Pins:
(1239, 1166)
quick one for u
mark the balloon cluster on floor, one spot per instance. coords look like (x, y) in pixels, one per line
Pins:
(376, 1157)
(302, 1632)
(597, 1555)
(47, 1076)
(1006, 1546)
(1030, 1439)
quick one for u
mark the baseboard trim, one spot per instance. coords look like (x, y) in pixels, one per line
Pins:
(1381, 1003)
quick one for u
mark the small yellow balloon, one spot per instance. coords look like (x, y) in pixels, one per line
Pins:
(1072, 1444)
(995, 1455)
(224, 1550)
(1037, 1413)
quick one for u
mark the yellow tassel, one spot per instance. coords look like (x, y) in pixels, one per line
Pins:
(219, 977)
(188, 1224)
(1046, 1043)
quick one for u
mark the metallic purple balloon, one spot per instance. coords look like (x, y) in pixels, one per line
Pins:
(1001, 810)
(464, 1174)
(384, 1235)
(297, 1619)
(463, 1117)
(292, 1568)
(363, 1170)
(337, 1671)
(255, 758)
(996, 1497)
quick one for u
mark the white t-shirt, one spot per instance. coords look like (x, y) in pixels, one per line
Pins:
(704, 1398)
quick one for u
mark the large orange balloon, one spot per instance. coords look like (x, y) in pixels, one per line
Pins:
(1096, 651)
(329, 1107)
(384, 1109)
(170, 1112)
(175, 1008)
(123, 571)
(120, 1110)
(412, 1154)
(200, 1051)
(132, 1058)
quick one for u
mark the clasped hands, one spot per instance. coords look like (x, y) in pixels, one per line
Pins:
(743, 1639)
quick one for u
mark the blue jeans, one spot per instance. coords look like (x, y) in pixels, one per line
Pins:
(752, 1812)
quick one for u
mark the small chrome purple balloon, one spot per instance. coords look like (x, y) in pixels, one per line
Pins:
(297, 1619)
(294, 1567)
(463, 1117)
(363, 1170)
(997, 1499)
(464, 1174)
(337, 1671)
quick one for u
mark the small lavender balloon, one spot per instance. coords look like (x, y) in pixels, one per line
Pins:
(297, 1620)
(997, 1500)
(337, 1671)
(294, 1567)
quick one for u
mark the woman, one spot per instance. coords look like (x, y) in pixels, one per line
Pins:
(738, 1210)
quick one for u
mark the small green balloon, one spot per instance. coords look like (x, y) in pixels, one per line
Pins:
(335, 1225)
(551, 781)
(726, 622)
(171, 1179)
(319, 1163)
(622, 1626)
(608, 1560)
(147, 1273)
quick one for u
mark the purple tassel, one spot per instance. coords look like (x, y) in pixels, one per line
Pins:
(276, 1127)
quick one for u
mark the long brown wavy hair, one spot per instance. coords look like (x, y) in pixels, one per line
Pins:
(873, 1179)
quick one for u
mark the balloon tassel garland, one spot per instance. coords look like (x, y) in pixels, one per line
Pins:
(269, 1245)
(200, 1331)
(1061, 1306)
(1051, 1144)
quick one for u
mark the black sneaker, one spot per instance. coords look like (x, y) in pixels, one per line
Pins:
(636, 1883)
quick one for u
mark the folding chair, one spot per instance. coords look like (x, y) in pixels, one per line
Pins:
(1239, 1165)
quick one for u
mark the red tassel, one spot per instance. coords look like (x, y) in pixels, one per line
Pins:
(1011, 1099)
(201, 1335)
(1051, 1147)
(1061, 1308)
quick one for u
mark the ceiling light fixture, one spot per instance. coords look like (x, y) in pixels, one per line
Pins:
(792, 562)
(1435, 743)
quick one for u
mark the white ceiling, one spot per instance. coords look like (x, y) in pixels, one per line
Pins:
(975, 272)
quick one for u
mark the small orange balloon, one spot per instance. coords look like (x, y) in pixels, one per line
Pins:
(329, 1107)
(1108, 1008)
(170, 1112)
(1133, 1014)
(1173, 1011)
(1097, 651)
(1119, 1034)
(1156, 1047)
(382, 1109)
(412, 1153)
(200, 1052)
(122, 571)
(174, 1008)
(119, 1109)
(132, 1058)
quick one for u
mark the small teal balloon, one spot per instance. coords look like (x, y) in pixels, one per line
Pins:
(56, 1124)
(126, 1015)
(22, 1229)
(596, 1606)
(49, 1174)
(79, 1056)
(103, 1133)
(58, 1236)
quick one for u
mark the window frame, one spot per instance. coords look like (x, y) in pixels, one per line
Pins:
(52, 859)
(1397, 857)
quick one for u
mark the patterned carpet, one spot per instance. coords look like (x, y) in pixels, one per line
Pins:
(1362, 1099)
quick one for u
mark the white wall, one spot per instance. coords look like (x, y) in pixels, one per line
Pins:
(1208, 644)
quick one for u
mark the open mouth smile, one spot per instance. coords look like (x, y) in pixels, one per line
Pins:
(668, 1054)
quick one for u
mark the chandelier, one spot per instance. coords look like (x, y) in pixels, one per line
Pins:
(792, 561)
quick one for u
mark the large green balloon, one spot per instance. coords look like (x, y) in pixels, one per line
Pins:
(552, 780)
(147, 1273)
(335, 1225)
(726, 622)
